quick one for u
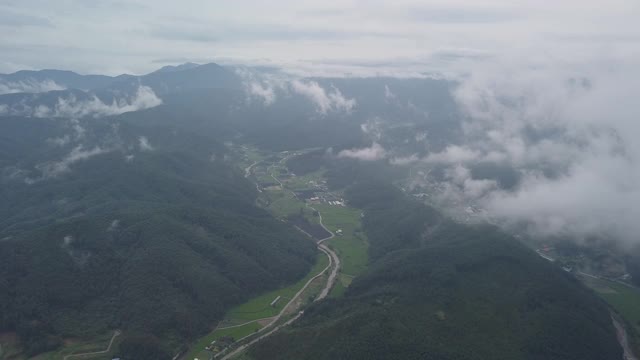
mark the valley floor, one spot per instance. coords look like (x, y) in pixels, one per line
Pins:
(327, 220)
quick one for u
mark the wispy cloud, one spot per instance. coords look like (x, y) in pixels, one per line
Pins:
(268, 87)
(57, 168)
(144, 144)
(325, 101)
(453, 154)
(371, 153)
(28, 86)
(264, 92)
(568, 132)
(72, 107)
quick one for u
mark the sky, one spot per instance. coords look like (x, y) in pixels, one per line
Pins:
(332, 36)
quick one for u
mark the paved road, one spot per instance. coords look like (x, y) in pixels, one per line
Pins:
(333, 259)
(334, 274)
(115, 334)
(325, 291)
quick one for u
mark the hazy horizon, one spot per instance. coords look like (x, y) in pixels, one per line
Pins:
(353, 37)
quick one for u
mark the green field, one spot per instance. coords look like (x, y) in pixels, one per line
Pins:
(341, 285)
(352, 246)
(83, 346)
(259, 307)
(302, 182)
(254, 309)
(624, 299)
(282, 203)
(237, 333)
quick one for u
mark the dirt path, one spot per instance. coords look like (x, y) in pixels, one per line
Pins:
(243, 324)
(247, 170)
(115, 334)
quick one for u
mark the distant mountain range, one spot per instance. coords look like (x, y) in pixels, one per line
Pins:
(165, 80)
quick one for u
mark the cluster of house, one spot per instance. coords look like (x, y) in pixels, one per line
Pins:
(337, 203)
(217, 346)
(319, 199)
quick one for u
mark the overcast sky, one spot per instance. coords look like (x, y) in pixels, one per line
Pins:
(138, 36)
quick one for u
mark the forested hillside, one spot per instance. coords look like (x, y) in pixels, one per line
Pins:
(145, 229)
(441, 290)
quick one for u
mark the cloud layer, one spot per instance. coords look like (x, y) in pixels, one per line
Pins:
(340, 37)
(28, 86)
(72, 107)
(371, 153)
(568, 132)
(57, 168)
(324, 100)
(268, 88)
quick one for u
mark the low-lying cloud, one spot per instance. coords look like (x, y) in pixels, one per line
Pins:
(371, 153)
(324, 100)
(266, 93)
(28, 86)
(267, 88)
(144, 144)
(57, 168)
(72, 107)
(144, 98)
(570, 135)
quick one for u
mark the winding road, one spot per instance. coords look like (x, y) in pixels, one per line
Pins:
(247, 170)
(115, 334)
(333, 258)
(334, 265)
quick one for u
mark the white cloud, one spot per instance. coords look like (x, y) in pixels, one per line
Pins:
(144, 98)
(264, 92)
(372, 128)
(79, 153)
(453, 154)
(388, 94)
(407, 160)
(72, 107)
(144, 144)
(372, 153)
(324, 101)
(60, 141)
(29, 86)
(261, 86)
(569, 130)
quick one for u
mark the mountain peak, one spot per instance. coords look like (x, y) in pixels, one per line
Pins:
(175, 68)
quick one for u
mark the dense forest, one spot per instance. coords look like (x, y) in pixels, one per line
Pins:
(440, 290)
(157, 239)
